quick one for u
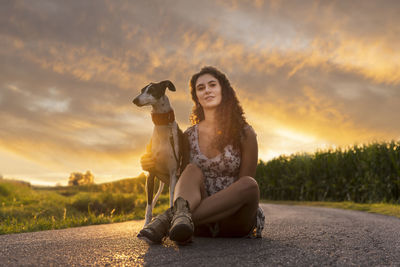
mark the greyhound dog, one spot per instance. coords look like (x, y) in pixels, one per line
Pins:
(165, 142)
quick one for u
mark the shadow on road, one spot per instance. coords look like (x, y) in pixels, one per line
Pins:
(208, 251)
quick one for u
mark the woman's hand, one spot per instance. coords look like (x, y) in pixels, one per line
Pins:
(147, 161)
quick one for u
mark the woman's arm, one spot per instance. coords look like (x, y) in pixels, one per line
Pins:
(147, 160)
(148, 163)
(249, 157)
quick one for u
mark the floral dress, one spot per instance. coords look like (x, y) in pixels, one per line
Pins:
(220, 172)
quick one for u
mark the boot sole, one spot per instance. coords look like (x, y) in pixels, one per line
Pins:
(148, 237)
(181, 233)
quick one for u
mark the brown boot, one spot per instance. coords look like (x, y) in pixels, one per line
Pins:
(182, 226)
(157, 229)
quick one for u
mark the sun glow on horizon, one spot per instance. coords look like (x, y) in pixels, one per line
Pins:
(295, 136)
(292, 142)
(309, 76)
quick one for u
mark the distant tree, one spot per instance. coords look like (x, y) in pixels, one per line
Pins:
(1, 176)
(78, 178)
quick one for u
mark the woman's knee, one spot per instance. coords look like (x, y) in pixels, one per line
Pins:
(192, 171)
(250, 185)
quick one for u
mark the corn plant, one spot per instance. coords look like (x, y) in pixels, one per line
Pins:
(361, 173)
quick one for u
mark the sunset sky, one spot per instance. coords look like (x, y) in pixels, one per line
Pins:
(309, 74)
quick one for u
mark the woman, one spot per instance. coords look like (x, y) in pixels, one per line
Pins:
(216, 194)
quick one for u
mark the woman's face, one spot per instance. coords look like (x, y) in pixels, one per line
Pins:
(208, 91)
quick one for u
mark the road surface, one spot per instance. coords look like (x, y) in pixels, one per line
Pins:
(293, 236)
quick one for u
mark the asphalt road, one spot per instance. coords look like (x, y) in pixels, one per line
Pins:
(293, 236)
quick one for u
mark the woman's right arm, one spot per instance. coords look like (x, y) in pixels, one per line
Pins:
(147, 161)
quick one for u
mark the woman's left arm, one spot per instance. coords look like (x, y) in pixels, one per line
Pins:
(249, 157)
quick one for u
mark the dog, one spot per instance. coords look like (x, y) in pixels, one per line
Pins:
(166, 141)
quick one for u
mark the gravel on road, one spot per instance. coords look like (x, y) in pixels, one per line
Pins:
(293, 236)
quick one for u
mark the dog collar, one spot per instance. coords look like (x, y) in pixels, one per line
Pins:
(163, 118)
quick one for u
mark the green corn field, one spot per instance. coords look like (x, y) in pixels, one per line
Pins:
(362, 173)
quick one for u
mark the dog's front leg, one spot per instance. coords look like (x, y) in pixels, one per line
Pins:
(149, 191)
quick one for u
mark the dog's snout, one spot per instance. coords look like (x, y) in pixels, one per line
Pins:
(136, 101)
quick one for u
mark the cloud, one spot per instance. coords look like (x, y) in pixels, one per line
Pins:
(309, 74)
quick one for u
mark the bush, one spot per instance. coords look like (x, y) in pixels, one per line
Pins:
(103, 203)
(4, 191)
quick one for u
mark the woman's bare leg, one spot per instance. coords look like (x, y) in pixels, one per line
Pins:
(242, 195)
(190, 186)
(239, 199)
(240, 223)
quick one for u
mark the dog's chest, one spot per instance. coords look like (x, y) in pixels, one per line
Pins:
(162, 148)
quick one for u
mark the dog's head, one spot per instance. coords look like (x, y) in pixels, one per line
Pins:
(151, 93)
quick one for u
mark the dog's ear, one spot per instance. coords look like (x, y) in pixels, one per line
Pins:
(169, 84)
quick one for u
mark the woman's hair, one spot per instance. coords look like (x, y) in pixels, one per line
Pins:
(229, 113)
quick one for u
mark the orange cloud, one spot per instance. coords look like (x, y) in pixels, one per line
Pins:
(306, 78)
(309, 118)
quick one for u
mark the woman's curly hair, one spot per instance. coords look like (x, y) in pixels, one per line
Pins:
(229, 113)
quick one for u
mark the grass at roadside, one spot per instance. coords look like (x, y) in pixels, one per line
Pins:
(25, 209)
(380, 208)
